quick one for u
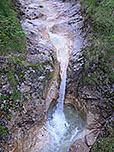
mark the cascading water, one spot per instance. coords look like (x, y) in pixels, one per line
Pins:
(64, 123)
(60, 101)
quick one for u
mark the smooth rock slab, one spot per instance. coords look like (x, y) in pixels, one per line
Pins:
(36, 138)
(79, 146)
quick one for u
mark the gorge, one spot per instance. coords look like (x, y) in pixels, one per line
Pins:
(57, 112)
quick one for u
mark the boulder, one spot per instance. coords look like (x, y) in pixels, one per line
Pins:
(79, 146)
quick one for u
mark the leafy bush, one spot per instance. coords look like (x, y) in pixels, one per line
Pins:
(6, 8)
(99, 55)
(12, 37)
(105, 141)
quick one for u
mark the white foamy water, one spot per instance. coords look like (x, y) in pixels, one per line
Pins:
(64, 123)
(64, 128)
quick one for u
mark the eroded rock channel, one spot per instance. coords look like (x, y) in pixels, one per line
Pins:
(53, 17)
(67, 123)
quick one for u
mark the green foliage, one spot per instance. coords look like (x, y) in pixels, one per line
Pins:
(6, 8)
(105, 141)
(99, 54)
(17, 63)
(8, 102)
(11, 100)
(12, 37)
(3, 130)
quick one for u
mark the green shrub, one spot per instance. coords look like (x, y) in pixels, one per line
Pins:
(100, 52)
(12, 37)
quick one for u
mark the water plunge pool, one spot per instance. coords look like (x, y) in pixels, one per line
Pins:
(64, 128)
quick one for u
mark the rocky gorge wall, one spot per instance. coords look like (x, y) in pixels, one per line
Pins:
(90, 84)
(22, 85)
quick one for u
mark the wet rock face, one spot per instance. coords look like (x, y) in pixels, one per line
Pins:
(28, 74)
(84, 98)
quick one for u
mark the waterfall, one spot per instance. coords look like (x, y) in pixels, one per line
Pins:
(58, 122)
(60, 100)
(54, 27)
(64, 124)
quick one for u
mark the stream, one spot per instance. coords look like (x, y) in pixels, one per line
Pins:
(64, 123)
